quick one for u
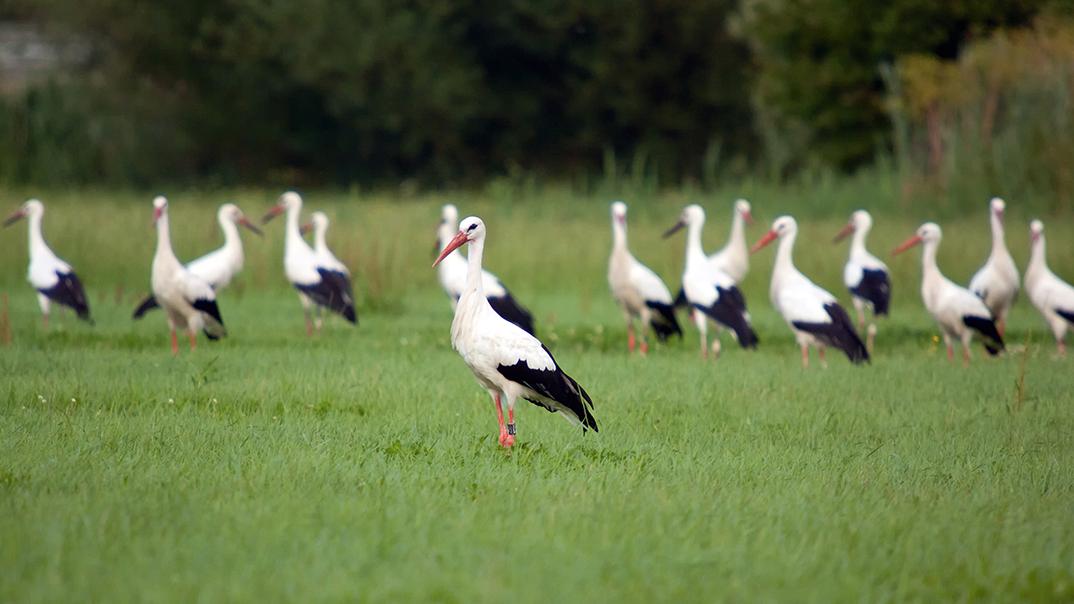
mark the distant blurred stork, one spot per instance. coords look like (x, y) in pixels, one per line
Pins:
(1052, 296)
(734, 258)
(865, 275)
(997, 281)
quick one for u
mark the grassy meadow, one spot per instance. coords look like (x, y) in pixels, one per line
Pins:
(362, 464)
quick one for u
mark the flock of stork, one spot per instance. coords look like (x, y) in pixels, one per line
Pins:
(495, 334)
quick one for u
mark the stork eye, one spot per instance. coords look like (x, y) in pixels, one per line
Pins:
(471, 227)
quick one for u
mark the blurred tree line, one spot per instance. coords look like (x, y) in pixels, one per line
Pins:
(376, 91)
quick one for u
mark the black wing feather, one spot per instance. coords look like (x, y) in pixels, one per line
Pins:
(68, 291)
(876, 288)
(333, 292)
(554, 385)
(145, 306)
(986, 326)
(507, 307)
(210, 308)
(680, 299)
(730, 311)
(1066, 314)
(663, 321)
(839, 333)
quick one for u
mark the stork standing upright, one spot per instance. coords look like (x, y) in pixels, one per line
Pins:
(316, 282)
(452, 274)
(1052, 296)
(710, 292)
(865, 275)
(734, 259)
(813, 314)
(506, 360)
(997, 281)
(637, 290)
(218, 267)
(319, 225)
(53, 278)
(957, 311)
(188, 301)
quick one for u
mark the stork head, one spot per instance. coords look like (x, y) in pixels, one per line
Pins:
(231, 213)
(471, 228)
(160, 207)
(782, 227)
(619, 213)
(1036, 230)
(449, 214)
(692, 215)
(31, 207)
(998, 206)
(318, 222)
(742, 208)
(288, 201)
(929, 232)
(859, 221)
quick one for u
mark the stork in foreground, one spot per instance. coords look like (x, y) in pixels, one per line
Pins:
(452, 274)
(506, 360)
(638, 290)
(317, 283)
(1052, 296)
(813, 314)
(865, 275)
(188, 301)
(53, 278)
(734, 259)
(218, 267)
(997, 281)
(958, 312)
(710, 292)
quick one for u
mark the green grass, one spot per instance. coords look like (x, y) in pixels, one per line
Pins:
(362, 464)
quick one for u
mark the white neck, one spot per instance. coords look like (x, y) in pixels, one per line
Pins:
(232, 242)
(37, 241)
(619, 238)
(999, 244)
(694, 252)
(929, 268)
(785, 255)
(164, 251)
(293, 235)
(1037, 256)
(857, 242)
(319, 242)
(736, 242)
(473, 268)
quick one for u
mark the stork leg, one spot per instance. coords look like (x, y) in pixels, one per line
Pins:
(499, 419)
(859, 308)
(509, 441)
(702, 328)
(44, 321)
(950, 348)
(193, 339)
(43, 302)
(820, 355)
(1001, 326)
(805, 356)
(870, 337)
(306, 304)
(630, 337)
(1061, 348)
(175, 342)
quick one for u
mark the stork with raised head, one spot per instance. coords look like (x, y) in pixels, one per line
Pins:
(452, 274)
(507, 361)
(188, 300)
(997, 281)
(958, 312)
(865, 275)
(317, 283)
(1052, 296)
(319, 225)
(637, 290)
(734, 259)
(813, 314)
(218, 267)
(710, 293)
(53, 278)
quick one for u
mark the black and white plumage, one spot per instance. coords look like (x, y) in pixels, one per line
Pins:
(506, 360)
(218, 267)
(188, 301)
(54, 279)
(957, 311)
(865, 275)
(638, 291)
(710, 293)
(1052, 296)
(997, 281)
(318, 281)
(813, 314)
(452, 275)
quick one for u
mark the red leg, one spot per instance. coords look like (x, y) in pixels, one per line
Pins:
(644, 347)
(193, 341)
(630, 338)
(1061, 345)
(805, 356)
(175, 344)
(509, 441)
(1001, 327)
(44, 321)
(499, 419)
(950, 352)
(309, 325)
(820, 355)
(965, 355)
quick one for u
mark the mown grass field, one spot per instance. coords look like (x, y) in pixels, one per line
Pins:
(362, 464)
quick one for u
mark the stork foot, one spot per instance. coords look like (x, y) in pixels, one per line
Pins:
(644, 348)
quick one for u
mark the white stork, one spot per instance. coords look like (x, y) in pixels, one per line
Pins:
(958, 312)
(997, 281)
(813, 314)
(1052, 296)
(188, 301)
(865, 275)
(316, 282)
(506, 360)
(53, 278)
(218, 267)
(710, 292)
(452, 274)
(638, 290)
(734, 259)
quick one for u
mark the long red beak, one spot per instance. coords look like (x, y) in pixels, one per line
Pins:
(455, 243)
(905, 245)
(748, 217)
(841, 235)
(273, 212)
(769, 237)
(157, 213)
(244, 221)
(10, 220)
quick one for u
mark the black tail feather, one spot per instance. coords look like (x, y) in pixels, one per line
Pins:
(730, 311)
(69, 292)
(210, 308)
(333, 292)
(507, 307)
(663, 321)
(680, 299)
(986, 327)
(553, 385)
(876, 288)
(1066, 314)
(145, 306)
(839, 333)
